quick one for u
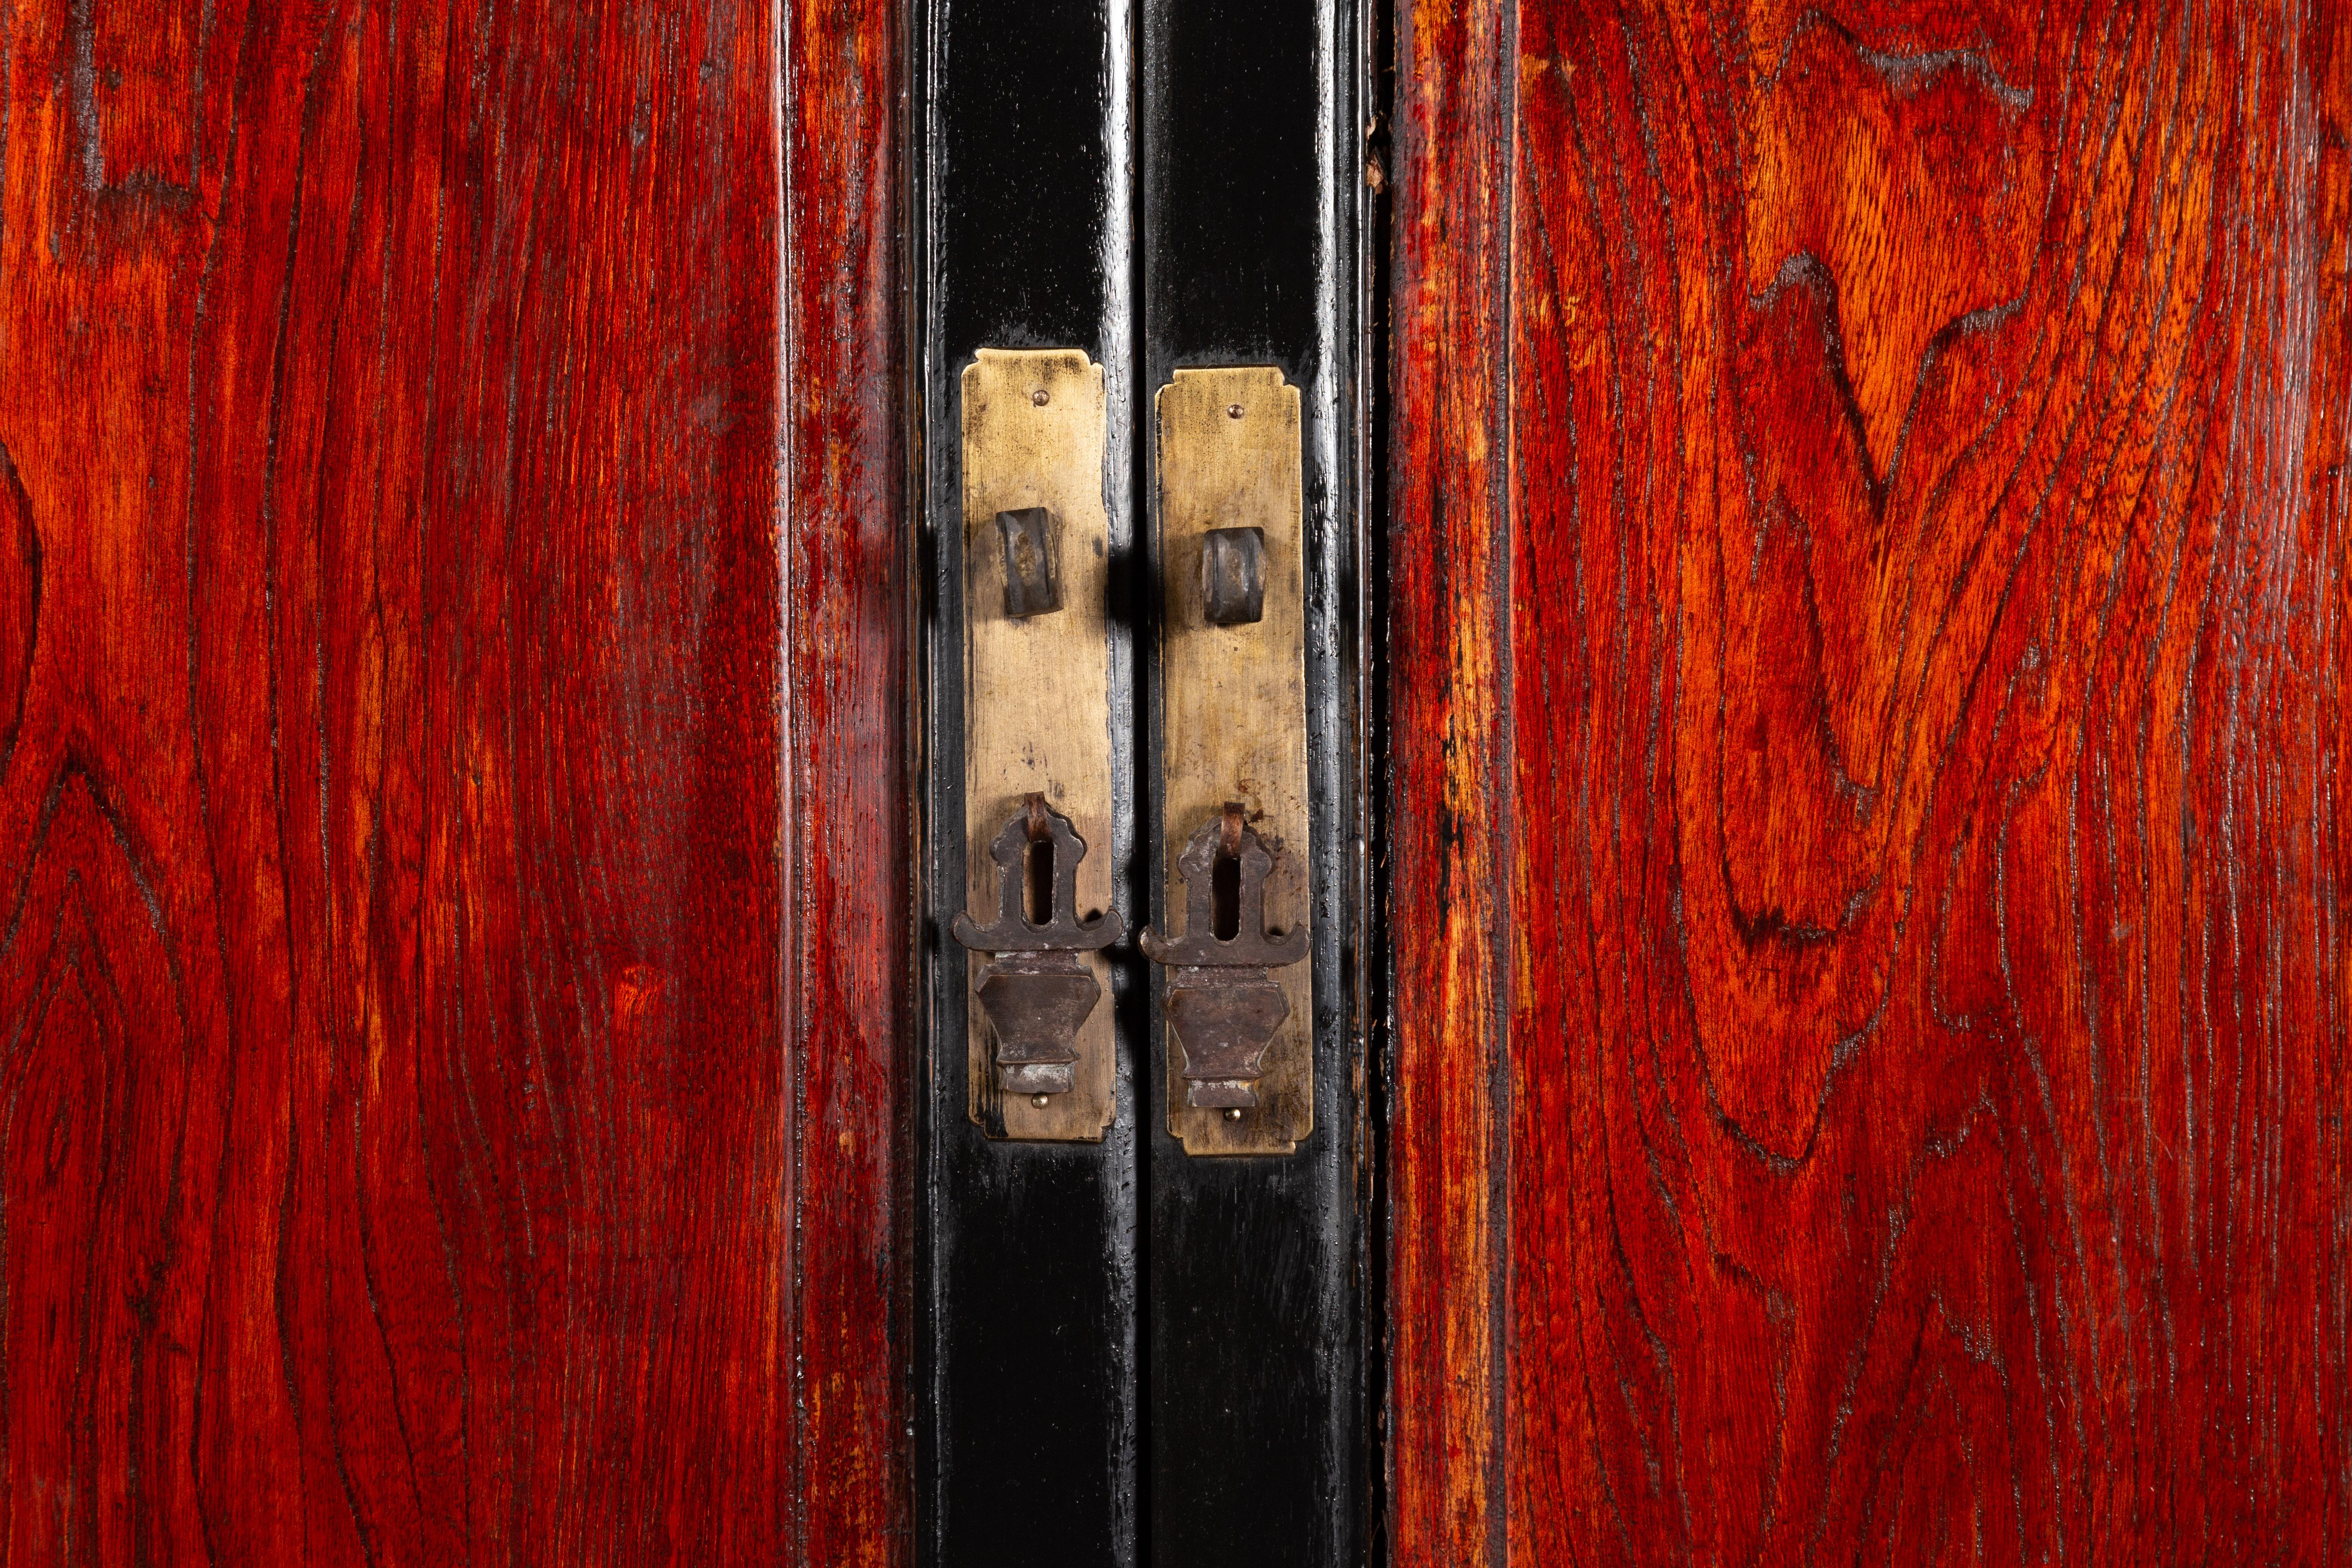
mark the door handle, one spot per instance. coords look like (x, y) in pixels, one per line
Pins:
(1232, 577)
(1235, 834)
(1032, 557)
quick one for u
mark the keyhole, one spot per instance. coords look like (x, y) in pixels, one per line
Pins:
(1040, 867)
(1225, 896)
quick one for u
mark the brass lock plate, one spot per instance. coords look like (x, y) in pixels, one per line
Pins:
(1036, 662)
(1233, 690)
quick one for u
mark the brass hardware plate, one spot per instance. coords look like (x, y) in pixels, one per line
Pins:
(1037, 687)
(1234, 707)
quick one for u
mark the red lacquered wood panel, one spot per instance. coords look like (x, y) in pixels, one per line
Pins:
(1924, 643)
(408, 701)
(848, 835)
(1449, 445)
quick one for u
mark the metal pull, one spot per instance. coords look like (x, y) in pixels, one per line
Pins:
(1037, 992)
(1221, 1002)
(1033, 575)
(1232, 577)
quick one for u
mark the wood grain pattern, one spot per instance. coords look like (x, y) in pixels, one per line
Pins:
(1449, 596)
(849, 830)
(1925, 636)
(405, 1112)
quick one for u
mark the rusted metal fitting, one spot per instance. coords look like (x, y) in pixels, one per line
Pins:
(1037, 992)
(1221, 1002)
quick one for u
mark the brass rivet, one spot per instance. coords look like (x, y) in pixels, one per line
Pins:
(1232, 1113)
(1233, 410)
(1039, 397)
(1038, 1099)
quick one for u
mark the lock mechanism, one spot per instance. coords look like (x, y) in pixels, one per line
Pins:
(1037, 995)
(1222, 1006)
(1234, 837)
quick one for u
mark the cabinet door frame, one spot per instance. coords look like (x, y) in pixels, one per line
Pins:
(1109, 1406)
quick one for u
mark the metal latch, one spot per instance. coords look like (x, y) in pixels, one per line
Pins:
(1223, 1006)
(1234, 834)
(1037, 745)
(1038, 994)
(1236, 999)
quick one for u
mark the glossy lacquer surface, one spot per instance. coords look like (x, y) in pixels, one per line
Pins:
(449, 715)
(1257, 1435)
(1028, 1388)
(1869, 617)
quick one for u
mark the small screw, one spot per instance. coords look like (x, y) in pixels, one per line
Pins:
(1233, 410)
(1232, 1113)
(1039, 397)
(1038, 1099)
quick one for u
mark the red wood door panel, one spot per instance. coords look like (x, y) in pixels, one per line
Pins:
(846, 839)
(1869, 618)
(448, 647)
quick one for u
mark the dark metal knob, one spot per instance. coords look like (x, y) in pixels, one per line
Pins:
(1222, 1005)
(1232, 577)
(1037, 992)
(1033, 570)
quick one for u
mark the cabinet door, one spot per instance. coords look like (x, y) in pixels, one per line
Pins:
(1252, 223)
(449, 624)
(1868, 619)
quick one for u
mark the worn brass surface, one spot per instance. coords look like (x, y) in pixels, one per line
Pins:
(1036, 689)
(1233, 707)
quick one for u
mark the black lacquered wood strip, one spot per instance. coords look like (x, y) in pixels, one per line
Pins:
(1027, 1374)
(1255, 1413)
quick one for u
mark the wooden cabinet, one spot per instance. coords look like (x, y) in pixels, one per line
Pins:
(1822, 610)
